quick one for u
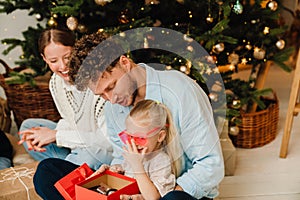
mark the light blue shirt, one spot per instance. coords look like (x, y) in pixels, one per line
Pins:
(193, 117)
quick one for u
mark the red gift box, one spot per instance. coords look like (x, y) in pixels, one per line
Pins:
(123, 185)
(66, 185)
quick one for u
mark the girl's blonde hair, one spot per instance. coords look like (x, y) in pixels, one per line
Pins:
(154, 114)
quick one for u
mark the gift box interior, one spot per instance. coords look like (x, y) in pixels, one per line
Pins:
(119, 183)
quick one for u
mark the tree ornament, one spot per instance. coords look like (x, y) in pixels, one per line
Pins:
(151, 2)
(183, 68)
(187, 38)
(168, 67)
(123, 18)
(234, 130)
(72, 23)
(180, 1)
(190, 48)
(259, 53)
(280, 44)
(218, 48)
(39, 16)
(244, 61)
(52, 22)
(248, 46)
(233, 59)
(82, 28)
(146, 43)
(273, 5)
(102, 2)
(236, 103)
(211, 59)
(238, 7)
(266, 30)
(209, 19)
(157, 23)
(213, 96)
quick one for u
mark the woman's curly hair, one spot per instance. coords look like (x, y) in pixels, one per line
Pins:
(92, 54)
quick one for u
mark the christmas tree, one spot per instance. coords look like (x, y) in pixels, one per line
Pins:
(235, 33)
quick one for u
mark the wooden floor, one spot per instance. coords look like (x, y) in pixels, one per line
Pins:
(260, 174)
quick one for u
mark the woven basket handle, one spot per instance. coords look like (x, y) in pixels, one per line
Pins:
(7, 68)
(4, 75)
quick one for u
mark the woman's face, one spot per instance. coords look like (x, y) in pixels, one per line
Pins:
(57, 57)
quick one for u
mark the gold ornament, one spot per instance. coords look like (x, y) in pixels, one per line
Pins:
(213, 96)
(146, 43)
(273, 5)
(236, 104)
(168, 67)
(190, 48)
(233, 59)
(266, 30)
(209, 19)
(102, 2)
(52, 22)
(259, 53)
(248, 46)
(234, 130)
(151, 2)
(280, 44)
(72, 23)
(123, 19)
(82, 28)
(218, 48)
(187, 38)
(180, 1)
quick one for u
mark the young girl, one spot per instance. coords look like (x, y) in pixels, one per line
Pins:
(152, 152)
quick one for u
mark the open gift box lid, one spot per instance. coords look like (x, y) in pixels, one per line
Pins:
(66, 185)
(123, 185)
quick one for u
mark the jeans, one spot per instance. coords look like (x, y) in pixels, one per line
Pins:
(180, 195)
(52, 150)
(48, 172)
(5, 163)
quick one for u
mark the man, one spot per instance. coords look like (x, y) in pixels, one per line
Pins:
(107, 72)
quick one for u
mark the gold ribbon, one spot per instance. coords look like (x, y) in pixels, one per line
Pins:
(17, 173)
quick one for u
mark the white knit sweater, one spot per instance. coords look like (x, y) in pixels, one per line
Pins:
(82, 124)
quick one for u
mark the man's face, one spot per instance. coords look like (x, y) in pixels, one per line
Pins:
(116, 86)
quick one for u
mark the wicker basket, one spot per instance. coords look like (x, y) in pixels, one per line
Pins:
(26, 101)
(258, 128)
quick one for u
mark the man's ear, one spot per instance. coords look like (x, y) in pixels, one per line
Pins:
(162, 135)
(125, 63)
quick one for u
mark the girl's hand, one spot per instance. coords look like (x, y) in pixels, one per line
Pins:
(133, 156)
(131, 197)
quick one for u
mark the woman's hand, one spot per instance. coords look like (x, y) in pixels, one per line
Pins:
(133, 156)
(37, 137)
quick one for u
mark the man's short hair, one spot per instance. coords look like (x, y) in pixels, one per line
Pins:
(92, 54)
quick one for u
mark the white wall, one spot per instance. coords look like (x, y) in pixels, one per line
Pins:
(12, 26)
